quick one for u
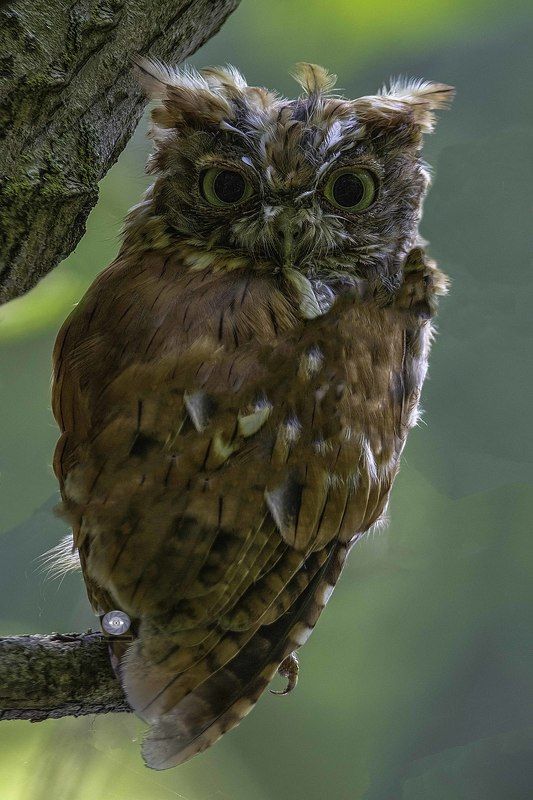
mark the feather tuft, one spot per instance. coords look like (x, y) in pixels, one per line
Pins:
(417, 91)
(405, 101)
(313, 78)
(60, 559)
(228, 78)
(154, 76)
(187, 95)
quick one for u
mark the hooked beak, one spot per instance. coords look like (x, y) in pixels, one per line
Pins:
(285, 236)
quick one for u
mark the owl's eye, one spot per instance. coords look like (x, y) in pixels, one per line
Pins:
(224, 187)
(351, 188)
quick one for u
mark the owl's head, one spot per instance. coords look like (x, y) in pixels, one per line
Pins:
(321, 184)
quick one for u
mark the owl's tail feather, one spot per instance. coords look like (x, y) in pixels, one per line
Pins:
(220, 702)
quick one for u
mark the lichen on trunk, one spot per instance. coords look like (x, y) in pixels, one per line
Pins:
(68, 105)
(59, 675)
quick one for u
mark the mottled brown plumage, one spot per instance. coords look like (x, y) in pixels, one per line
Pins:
(235, 390)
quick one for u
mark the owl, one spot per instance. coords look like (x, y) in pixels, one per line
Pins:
(235, 390)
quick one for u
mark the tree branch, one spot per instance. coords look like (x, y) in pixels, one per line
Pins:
(60, 675)
(68, 105)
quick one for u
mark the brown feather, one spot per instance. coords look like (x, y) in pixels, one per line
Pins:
(235, 390)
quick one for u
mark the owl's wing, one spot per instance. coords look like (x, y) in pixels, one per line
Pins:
(209, 480)
(219, 703)
(72, 413)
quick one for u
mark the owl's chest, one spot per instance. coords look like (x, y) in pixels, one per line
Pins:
(304, 420)
(332, 441)
(343, 382)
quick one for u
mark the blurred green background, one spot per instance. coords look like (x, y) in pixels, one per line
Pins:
(417, 682)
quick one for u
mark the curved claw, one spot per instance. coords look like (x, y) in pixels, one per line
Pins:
(288, 668)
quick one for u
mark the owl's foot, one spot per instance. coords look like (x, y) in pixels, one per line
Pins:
(288, 669)
(422, 283)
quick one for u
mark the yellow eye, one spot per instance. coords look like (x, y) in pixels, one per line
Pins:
(351, 188)
(224, 187)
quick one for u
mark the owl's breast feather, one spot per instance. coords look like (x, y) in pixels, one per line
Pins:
(336, 427)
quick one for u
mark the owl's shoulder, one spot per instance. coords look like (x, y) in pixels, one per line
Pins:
(155, 306)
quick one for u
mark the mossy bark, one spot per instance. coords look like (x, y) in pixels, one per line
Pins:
(60, 675)
(68, 105)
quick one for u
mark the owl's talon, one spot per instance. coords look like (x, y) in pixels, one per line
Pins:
(288, 669)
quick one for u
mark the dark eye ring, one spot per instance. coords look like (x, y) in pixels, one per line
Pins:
(223, 187)
(351, 188)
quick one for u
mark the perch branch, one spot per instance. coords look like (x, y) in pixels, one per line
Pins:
(59, 675)
(68, 105)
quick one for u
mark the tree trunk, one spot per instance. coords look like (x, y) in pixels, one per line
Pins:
(57, 676)
(68, 105)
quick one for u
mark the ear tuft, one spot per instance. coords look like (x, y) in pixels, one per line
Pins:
(313, 78)
(188, 97)
(227, 78)
(422, 97)
(154, 76)
(416, 90)
(406, 101)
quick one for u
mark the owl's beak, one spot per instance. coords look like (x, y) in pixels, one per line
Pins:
(286, 240)
(284, 232)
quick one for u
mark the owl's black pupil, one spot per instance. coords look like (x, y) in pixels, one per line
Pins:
(348, 190)
(229, 186)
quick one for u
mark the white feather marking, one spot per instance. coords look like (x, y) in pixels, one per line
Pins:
(300, 633)
(251, 423)
(221, 450)
(324, 592)
(307, 300)
(315, 359)
(368, 458)
(293, 429)
(197, 405)
(276, 504)
(322, 447)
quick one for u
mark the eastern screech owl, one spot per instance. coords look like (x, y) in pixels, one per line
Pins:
(235, 390)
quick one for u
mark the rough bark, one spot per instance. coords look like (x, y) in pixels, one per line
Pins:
(57, 676)
(68, 105)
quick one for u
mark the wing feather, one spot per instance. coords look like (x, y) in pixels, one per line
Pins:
(218, 704)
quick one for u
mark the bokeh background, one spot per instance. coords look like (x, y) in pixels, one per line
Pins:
(417, 682)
